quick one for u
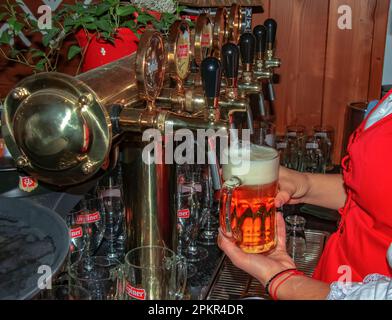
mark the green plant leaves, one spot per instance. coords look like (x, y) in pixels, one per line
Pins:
(15, 25)
(37, 53)
(3, 15)
(104, 25)
(125, 11)
(5, 38)
(73, 51)
(40, 66)
(49, 36)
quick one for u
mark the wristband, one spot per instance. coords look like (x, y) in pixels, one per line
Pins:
(293, 273)
(276, 276)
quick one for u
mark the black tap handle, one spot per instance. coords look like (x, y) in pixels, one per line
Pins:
(211, 73)
(230, 60)
(247, 47)
(271, 26)
(260, 33)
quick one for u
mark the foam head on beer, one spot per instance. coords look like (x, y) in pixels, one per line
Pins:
(252, 164)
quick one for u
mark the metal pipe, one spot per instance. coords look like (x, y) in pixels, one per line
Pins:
(115, 82)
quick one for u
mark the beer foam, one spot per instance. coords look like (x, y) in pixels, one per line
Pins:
(253, 165)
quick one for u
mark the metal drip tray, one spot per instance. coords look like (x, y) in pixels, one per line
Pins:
(232, 283)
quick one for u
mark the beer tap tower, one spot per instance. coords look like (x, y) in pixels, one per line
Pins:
(66, 130)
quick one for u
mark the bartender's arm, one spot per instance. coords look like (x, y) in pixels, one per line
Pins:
(318, 189)
(300, 287)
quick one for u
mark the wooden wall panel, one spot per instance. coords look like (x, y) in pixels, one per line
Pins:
(259, 18)
(348, 64)
(301, 45)
(378, 50)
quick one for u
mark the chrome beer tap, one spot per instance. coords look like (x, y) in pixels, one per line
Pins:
(270, 61)
(260, 70)
(248, 83)
(232, 105)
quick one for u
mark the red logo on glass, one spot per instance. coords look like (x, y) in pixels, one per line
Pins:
(76, 232)
(183, 214)
(137, 293)
(88, 218)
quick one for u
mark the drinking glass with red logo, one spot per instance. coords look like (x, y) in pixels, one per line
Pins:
(92, 221)
(154, 273)
(78, 237)
(111, 195)
(186, 213)
(190, 215)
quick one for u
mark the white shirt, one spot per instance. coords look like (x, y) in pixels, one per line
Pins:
(383, 110)
(374, 287)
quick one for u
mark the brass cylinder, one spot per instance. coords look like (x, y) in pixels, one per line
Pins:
(115, 82)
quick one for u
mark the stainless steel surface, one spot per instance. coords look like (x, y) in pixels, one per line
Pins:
(233, 283)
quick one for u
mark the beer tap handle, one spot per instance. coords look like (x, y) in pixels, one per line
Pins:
(260, 33)
(247, 48)
(230, 61)
(271, 26)
(211, 73)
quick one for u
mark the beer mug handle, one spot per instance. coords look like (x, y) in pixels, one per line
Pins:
(181, 277)
(225, 202)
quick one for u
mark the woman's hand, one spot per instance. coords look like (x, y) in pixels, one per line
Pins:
(293, 187)
(260, 266)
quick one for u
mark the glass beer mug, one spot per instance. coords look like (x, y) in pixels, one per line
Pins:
(247, 207)
(154, 273)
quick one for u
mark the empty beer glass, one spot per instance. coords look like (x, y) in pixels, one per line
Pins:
(295, 239)
(314, 161)
(247, 208)
(102, 277)
(325, 137)
(113, 204)
(296, 140)
(154, 273)
(210, 223)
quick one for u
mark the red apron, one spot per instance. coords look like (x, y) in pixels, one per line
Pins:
(365, 232)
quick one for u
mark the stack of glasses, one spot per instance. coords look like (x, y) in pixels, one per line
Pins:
(197, 217)
(306, 153)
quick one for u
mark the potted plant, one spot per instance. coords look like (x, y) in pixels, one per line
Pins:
(105, 30)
